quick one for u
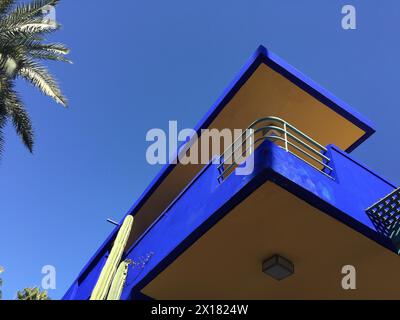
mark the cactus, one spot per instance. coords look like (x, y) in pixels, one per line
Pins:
(107, 273)
(120, 277)
(119, 281)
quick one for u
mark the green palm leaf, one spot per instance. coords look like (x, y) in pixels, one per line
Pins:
(56, 48)
(45, 55)
(22, 44)
(5, 6)
(43, 80)
(16, 112)
(24, 13)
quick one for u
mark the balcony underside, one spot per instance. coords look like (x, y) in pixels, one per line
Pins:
(225, 263)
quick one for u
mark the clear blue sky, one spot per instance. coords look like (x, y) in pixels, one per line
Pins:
(139, 64)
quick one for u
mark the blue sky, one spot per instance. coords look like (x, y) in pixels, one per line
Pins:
(138, 65)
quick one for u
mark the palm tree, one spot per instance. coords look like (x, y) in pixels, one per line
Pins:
(32, 294)
(22, 47)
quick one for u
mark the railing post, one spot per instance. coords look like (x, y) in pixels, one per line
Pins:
(286, 139)
(250, 136)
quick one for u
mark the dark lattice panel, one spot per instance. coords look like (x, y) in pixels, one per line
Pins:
(385, 214)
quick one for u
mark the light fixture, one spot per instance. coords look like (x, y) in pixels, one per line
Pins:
(278, 267)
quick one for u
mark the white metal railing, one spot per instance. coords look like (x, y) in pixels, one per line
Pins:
(285, 135)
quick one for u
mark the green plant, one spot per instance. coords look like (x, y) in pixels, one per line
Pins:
(32, 294)
(23, 28)
(1, 282)
(110, 268)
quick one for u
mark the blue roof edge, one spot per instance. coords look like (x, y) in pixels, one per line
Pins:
(319, 93)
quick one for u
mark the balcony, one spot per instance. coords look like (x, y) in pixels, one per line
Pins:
(223, 225)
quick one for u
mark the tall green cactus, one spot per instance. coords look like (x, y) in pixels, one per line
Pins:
(119, 281)
(107, 273)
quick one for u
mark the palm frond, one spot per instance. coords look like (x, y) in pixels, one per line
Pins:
(36, 27)
(43, 80)
(5, 6)
(25, 11)
(3, 121)
(57, 48)
(31, 30)
(13, 41)
(26, 14)
(44, 55)
(16, 112)
(23, 27)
